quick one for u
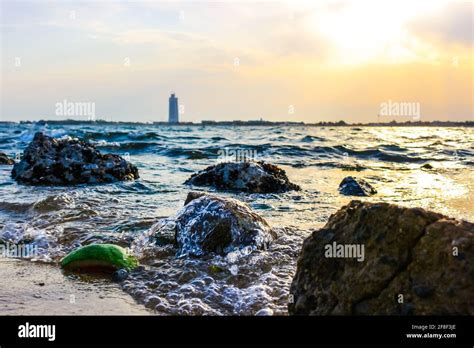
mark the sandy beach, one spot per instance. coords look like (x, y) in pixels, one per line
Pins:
(30, 288)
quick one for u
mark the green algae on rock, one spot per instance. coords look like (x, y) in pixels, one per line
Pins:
(99, 257)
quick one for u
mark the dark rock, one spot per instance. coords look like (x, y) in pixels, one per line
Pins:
(423, 267)
(351, 186)
(212, 224)
(67, 161)
(407, 309)
(423, 291)
(193, 195)
(4, 159)
(120, 275)
(257, 177)
(426, 166)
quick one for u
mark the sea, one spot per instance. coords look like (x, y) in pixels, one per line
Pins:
(428, 167)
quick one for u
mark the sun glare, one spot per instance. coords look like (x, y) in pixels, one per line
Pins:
(364, 31)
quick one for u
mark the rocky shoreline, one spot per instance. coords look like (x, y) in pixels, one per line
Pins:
(369, 259)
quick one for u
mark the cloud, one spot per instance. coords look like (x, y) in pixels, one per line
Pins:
(156, 36)
(288, 53)
(452, 25)
(290, 36)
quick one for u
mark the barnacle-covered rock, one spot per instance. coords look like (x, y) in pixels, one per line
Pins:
(255, 177)
(68, 161)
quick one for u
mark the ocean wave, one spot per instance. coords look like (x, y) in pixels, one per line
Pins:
(137, 186)
(459, 153)
(128, 146)
(393, 147)
(147, 136)
(381, 154)
(311, 138)
(54, 203)
(205, 153)
(122, 136)
(111, 135)
(27, 135)
(48, 204)
(105, 143)
(41, 243)
(340, 165)
(15, 207)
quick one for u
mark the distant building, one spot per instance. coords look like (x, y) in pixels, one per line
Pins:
(173, 115)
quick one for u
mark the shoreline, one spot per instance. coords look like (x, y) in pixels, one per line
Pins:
(243, 282)
(43, 289)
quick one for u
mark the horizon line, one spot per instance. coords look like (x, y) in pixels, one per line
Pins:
(260, 122)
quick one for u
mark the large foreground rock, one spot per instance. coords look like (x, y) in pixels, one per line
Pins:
(256, 177)
(69, 161)
(209, 223)
(416, 263)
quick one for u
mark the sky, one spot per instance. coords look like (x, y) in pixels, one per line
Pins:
(293, 60)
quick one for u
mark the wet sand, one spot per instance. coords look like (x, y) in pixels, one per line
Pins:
(29, 288)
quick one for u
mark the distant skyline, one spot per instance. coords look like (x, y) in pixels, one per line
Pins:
(307, 61)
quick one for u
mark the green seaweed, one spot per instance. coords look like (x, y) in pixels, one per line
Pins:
(99, 255)
(215, 269)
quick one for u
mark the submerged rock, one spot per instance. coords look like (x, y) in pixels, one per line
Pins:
(257, 177)
(414, 262)
(351, 186)
(208, 223)
(99, 257)
(5, 160)
(69, 161)
(427, 166)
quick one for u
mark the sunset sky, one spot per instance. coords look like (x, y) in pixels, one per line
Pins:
(288, 60)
